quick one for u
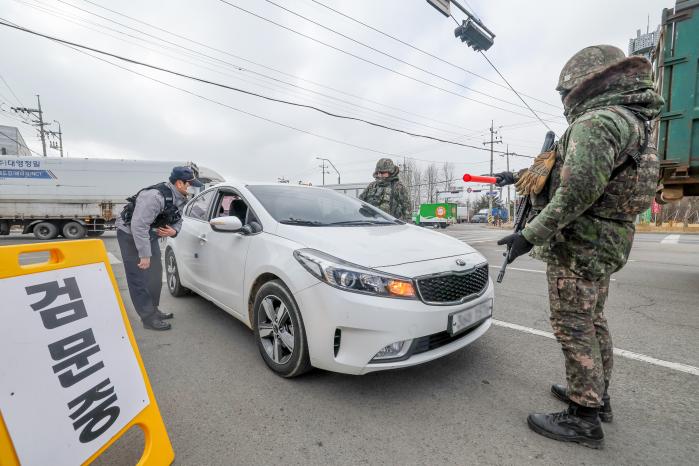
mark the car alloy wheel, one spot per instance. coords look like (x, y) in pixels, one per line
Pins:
(276, 330)
(279, 330)
(172, 275)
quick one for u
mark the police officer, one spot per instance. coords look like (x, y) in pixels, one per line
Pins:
(387, 192)
(152, 213)
(604, 172)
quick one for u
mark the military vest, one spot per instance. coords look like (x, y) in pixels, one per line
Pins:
(632, 184)
(170, 214)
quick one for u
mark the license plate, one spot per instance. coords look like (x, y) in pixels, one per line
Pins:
(463, 320)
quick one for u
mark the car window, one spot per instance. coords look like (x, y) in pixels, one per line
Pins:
(317, 207)
(199, 206)
(229, 203)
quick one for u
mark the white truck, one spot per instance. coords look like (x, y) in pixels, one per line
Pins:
(75, 197)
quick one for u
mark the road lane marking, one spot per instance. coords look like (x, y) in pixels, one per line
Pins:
(617, 351)
(671, 239)
(113, 259)
(531, 270)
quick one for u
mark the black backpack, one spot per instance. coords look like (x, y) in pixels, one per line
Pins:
(170, 214)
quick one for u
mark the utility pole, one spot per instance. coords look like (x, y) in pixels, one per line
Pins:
(37, 113)
(493, 140)
(60, 138)
(509, 208)
(332, 165)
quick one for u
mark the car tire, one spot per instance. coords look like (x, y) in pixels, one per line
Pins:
(74, 230)
(172, 276)
(45, 230)
(442, 226)
(279, 331)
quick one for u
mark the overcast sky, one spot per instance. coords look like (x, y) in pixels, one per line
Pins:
(108, 112)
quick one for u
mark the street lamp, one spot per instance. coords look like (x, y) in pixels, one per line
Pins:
(332, 165)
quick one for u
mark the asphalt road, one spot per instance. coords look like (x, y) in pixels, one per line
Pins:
(223, 406)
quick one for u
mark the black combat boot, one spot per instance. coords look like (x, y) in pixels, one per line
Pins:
(560, 391)
(576, 424)
(163, 315)
(156, 324)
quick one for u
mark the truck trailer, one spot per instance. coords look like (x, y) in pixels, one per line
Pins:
(677, 73)
(75, 197)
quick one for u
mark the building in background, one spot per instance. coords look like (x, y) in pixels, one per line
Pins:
(644, 44)
(12, 142)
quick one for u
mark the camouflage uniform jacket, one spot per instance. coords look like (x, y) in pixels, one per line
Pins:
(390, 196)
(592, 196)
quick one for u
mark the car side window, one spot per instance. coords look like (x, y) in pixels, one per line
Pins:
(199, 207)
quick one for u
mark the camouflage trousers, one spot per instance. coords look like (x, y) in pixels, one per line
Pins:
(578, 322)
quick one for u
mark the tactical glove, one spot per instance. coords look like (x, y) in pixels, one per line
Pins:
(533, 180)
(504, 178)
(517, 245)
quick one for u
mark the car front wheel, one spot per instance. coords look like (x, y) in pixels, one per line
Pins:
(279, 330)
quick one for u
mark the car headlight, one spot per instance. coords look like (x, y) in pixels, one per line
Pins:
(351, 277)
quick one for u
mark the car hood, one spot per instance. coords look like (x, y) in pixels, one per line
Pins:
(376, 246)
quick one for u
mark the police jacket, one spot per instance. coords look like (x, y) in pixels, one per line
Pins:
(149, 204)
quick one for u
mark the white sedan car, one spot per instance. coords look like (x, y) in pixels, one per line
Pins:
(328, 281)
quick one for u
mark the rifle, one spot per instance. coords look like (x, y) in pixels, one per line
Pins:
(524, 208)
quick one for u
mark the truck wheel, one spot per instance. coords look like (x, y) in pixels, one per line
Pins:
(45, 230)
(95, 233)
(4, 228)
(442, 225)
(74, 230)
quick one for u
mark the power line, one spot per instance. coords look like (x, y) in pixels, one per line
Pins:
(389, 55)
(269, 120)
(516, 93)
(424, 51)
(19, 103)
(225, 86)
(412, 78)
(239, 68)
(64, 17)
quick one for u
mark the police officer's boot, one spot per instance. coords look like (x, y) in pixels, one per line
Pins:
(578, 424)
(163, 315)
(156, 324)
(560, 391)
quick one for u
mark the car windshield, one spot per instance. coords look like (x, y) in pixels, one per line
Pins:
(317, 207)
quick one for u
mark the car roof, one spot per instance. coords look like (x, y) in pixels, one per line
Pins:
(237, 184)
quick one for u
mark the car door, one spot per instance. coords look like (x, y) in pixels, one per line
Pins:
(227, 252)
(191, 240)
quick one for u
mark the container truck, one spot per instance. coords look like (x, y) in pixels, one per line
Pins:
(74, 197)
(677, 73)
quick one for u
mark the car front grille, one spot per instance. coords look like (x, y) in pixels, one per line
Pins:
(453, 287)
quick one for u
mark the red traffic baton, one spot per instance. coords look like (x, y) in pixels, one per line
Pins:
(479, 179)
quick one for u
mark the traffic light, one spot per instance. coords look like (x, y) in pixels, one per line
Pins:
(473, 35)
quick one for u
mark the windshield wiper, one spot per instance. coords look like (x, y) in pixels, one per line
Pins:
(297, 221)
(362, 222)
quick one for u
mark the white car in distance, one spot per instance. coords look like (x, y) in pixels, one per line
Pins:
(328, 281)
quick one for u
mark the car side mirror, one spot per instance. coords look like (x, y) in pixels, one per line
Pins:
(229, 224)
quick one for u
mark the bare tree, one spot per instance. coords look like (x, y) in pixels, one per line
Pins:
(447, 175)
(431, 180)
(416, 188)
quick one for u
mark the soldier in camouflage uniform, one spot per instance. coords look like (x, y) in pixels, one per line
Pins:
(605, 173)
(387, 192)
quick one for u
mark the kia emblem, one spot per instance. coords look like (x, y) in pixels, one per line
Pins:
(460, 262)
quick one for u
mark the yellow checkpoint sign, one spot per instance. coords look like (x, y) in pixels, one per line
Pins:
(71, 377)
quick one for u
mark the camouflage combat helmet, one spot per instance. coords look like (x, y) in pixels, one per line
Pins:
(587, 61)
(386, 165)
